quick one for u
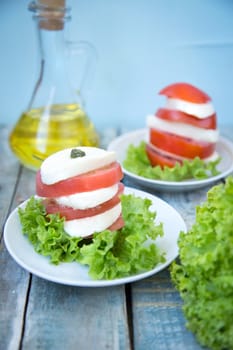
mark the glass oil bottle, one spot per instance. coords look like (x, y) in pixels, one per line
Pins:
(55, 118)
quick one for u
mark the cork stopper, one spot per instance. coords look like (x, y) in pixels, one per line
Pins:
(50, 13)
(52, 3)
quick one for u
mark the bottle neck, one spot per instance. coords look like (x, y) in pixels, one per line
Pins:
(51, 17)
(52, 49)
(53, 85)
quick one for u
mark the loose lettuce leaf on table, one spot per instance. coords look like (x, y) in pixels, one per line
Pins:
(204, 274)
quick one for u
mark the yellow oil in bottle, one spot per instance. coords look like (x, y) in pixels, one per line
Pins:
(41, 132)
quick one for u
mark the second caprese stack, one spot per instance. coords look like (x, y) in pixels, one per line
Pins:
(184, 129)
(82, 185)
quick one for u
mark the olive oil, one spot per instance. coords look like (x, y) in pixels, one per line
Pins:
(41, 132)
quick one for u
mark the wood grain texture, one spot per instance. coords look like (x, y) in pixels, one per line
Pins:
(157, 315)
(13, 279)
(65, 317)
(8, 175)
(158, 319)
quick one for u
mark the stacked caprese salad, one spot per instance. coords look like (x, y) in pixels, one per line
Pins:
(184, 129)
(82, 185)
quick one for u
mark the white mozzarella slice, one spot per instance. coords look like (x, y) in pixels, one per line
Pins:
(181, 129)
(87, 226)
(60, 166)
(199, 110)
(85, 200)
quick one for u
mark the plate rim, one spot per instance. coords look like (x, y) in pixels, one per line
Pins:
(89, 283)
(187, 184)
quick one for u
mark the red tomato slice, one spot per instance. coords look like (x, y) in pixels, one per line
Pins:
(93, 180)
(117, 225)
(181, 117)
(157, 158)
(179, 145)
(186, 92)
(71, 214)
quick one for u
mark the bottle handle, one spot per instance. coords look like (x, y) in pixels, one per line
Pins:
(82, 60)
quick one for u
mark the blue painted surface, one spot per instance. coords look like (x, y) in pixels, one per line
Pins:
(159, 322)
(142, 45)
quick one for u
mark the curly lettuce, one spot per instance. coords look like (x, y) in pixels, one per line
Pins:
(108, 254)
(204, 274)
(137, 162)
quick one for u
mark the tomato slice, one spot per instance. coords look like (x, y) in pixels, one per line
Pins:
(117, 225)
(157, 158)
(52, 207)
(181, 117)
(93, 180)
(186, 92)
(179, 145)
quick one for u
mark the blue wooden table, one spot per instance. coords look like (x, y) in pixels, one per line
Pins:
(39, 314)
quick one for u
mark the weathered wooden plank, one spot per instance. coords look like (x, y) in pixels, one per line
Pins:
(157, 316)
(13, 279)
(64, 317)
(13, 290)
(186, 202)
(8, 174)
(158, 320)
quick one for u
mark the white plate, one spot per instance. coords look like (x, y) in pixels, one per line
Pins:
(120, 146)
(77, 275)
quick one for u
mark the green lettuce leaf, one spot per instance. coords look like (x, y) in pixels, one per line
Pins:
(137, 162)
(47, 234)
(204, 274)
(108, 254)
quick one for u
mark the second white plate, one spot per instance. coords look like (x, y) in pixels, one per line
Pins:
(121, 144)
